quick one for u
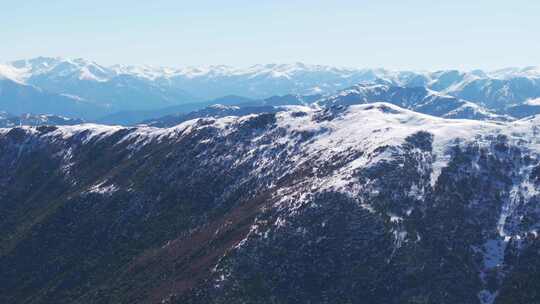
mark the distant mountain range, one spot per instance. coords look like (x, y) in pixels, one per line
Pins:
(9, 121)
(88, 90)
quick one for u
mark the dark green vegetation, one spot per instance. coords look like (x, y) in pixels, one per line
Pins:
(206, 215)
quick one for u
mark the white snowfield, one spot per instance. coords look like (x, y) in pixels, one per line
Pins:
(11, 73)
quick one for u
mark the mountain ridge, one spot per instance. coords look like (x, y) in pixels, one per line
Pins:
(303, 204)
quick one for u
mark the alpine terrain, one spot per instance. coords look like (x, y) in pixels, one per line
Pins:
(119, 94)
(339, 200)
(270, 152)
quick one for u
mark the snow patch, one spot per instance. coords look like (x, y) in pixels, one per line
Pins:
(533, 102)
(102, 188)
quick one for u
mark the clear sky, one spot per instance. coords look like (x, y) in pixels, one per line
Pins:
(398, 34)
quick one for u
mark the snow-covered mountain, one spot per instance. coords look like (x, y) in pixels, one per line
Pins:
(307, 205)
(59, 68)
(145, 87)
(259, 81)
(82, 69)
(419, 99)
(100, 86)
(212, 111)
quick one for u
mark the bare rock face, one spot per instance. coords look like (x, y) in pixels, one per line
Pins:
(366, 203)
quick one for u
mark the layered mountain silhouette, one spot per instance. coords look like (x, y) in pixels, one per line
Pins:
(92, 91)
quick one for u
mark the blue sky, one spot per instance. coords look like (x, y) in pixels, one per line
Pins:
(402, 34)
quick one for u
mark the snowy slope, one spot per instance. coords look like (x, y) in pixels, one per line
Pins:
(307, 203)
(418, 99)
